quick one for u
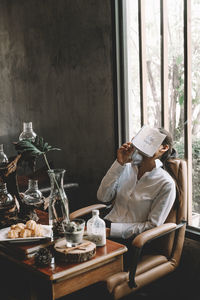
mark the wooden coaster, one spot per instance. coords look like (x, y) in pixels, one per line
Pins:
(83, 252)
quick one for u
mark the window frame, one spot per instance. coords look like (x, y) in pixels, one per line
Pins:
(122, 97)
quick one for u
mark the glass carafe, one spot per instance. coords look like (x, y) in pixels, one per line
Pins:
(32, 195)
(6, 199)
(3, 157)
(27, 133)
(58, 203)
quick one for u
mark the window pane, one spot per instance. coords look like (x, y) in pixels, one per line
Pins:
(175, 18)
(195, 48)
(176, 73)
(133, 67)
(152, 15)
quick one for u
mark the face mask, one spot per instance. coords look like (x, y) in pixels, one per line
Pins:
(136, 158)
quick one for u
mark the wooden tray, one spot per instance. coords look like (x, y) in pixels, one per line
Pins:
(83, 252)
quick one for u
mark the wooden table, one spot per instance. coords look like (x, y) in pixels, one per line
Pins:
(59, 279)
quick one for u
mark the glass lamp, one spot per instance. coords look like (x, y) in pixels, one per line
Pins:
(27, 133)
(3, 157)
(32, 195)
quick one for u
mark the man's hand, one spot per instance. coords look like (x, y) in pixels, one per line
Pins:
(124, 153)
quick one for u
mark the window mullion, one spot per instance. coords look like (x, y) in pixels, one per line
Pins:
(164, 65)
(142, 58)
(188, 101)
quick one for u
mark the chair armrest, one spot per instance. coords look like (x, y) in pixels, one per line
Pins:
(85, 210)
(147, 237)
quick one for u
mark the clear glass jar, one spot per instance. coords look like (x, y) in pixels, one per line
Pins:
(3, 157)
(27, 133)
(73, 232)
(6, 199)
(58, 203)
(96, 229)
(32, 195)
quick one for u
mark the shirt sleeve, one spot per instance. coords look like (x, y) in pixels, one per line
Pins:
(160, 209)
(108, 187)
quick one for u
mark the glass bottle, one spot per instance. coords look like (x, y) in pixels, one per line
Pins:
(96, 229)
(32, 195)
(58, 203)
(27, 133)
(6, 199)
(3, 157)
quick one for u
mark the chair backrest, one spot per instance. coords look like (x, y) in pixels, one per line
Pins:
(171, 245)
(178, 168)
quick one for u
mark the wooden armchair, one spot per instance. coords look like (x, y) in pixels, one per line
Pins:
(156, 252)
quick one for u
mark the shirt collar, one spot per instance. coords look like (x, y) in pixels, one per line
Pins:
(158, 163)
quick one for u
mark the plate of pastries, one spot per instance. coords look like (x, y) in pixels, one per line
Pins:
(25, 232)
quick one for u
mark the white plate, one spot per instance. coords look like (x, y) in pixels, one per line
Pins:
(4, 235)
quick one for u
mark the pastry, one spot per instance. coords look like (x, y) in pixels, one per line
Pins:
(31, 224)
(30, 229)
(25, 233)
(18, 226)
(13, 234)
(38, 231)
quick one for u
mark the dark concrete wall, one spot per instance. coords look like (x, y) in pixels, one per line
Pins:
(56, 70)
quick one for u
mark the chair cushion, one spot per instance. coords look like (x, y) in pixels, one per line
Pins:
(150, 261)
(121, 288)
(147, 263)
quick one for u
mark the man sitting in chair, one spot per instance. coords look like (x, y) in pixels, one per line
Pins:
(142, 191)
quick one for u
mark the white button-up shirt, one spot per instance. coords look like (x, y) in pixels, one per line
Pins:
(138, 204)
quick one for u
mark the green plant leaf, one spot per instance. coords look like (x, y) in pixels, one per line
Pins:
(29, 148)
